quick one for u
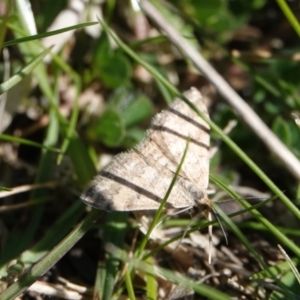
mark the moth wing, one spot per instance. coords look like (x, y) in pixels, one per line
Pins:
(129, 183)
(171, 129)
(139, 179)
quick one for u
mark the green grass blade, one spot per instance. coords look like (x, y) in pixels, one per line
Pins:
(71, 128)
(114, 232)
(82, 163)
(151, 282)
(46, 34)
(14, 139)
(158, 213)
(129, 285)
(12, 81)
(289, 15)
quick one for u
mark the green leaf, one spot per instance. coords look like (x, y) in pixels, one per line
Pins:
(207, 9)
(138, 110)
(271, 108)
(103, 49)
(125, 109)
(112, 67)
(115, 71)
(110, 128)
(133, 137)
(258, 4)
(133, 107)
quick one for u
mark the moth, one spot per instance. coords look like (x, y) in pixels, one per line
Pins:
(139, 179)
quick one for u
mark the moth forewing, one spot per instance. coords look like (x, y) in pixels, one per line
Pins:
(140, 178)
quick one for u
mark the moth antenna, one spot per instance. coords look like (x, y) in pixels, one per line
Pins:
(220, 224)
(209, 218)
